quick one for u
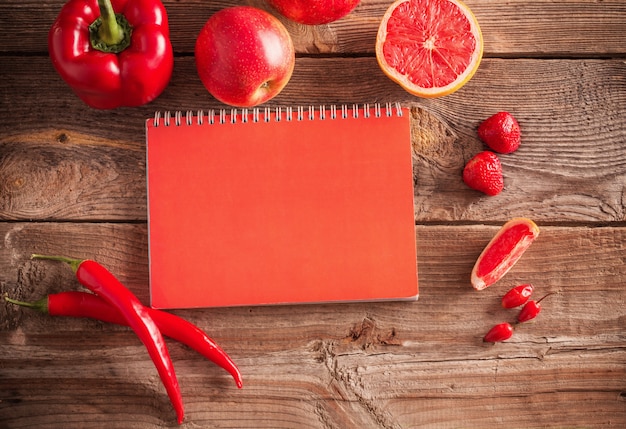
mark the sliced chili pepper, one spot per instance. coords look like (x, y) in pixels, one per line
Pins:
(99, 280)
(84, 304)
(517, 296)
(500, 332)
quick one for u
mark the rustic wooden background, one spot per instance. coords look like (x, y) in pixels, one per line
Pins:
(72, 181)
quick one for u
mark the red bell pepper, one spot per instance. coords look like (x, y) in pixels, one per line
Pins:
(113, 53)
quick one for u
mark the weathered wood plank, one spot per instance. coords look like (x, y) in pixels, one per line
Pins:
(518, 28)
(65, 175)
(583, 87)
(560, 96)
(382, 365)
(61, 159)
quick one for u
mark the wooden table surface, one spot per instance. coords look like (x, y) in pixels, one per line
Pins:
(72, 181)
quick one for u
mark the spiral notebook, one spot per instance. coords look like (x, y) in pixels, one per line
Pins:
(280, 206)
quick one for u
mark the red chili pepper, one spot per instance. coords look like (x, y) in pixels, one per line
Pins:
(531, 310)
(517, 296)
(500, 332)
(113, 53)
(100, 281)
(84, 304)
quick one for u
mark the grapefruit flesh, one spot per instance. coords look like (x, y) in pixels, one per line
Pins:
(429, 47)
(503, 251)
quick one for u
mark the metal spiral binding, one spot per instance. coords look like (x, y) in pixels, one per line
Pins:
(276, 114)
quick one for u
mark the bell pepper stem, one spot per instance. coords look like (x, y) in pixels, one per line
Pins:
(110, 31)
(72, 262)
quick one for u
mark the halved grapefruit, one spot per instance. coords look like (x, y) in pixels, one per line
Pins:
(503, 251)
(429, 47)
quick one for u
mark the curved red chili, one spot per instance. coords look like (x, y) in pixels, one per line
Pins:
(99, 280)
(517, 296)
(84, 304)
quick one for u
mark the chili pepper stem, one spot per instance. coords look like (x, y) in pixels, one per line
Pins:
(545, 296)
(39, 305)
(72, 262)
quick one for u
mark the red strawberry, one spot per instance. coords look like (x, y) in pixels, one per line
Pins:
(484, 173)
(500, 132)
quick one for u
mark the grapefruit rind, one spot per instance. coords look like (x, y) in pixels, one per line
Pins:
(481, 280)
(434, 91)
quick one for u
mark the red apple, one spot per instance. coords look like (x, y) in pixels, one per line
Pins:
(314, 12)
(244, 56)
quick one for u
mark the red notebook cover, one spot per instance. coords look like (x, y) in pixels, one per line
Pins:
(274, 206)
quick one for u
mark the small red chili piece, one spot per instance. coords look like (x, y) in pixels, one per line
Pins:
(102, 282)
(517, 296)
(531, 310)
(498, 333)
(85, 304)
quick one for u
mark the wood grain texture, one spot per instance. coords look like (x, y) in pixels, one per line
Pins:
(381, 365)
(554, 98)
(91, 164)
(516, 28)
